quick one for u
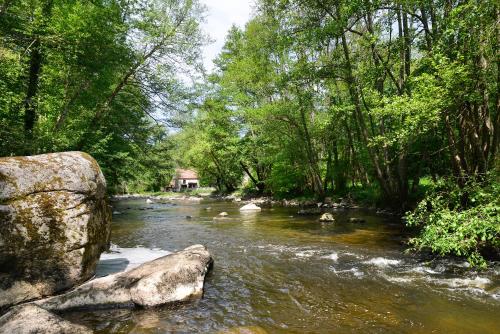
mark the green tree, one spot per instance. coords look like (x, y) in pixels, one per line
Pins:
(332, 95)
(97, 76)
(210, 144)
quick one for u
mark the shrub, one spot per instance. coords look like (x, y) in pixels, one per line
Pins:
(459, 221)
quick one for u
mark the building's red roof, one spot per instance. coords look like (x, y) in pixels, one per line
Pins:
(185, 174)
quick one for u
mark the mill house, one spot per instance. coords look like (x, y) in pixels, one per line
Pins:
(184, 179)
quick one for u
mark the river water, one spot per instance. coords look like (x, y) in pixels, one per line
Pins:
(287, 273)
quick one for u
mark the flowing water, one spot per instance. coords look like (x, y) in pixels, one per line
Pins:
(287, 273)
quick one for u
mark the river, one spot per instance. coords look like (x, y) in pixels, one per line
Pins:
(292, 274)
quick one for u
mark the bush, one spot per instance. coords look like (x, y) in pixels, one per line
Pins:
(459, 221)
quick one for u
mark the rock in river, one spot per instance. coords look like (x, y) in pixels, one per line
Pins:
(176, 277)
(54, 224)
(327, 217)
(250, 207)
(30, 319)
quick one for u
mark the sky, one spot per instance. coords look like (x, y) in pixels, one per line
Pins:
(221, 15)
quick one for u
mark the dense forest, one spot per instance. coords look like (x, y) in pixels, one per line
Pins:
(101, 76)
(381, 99)
(393, 102)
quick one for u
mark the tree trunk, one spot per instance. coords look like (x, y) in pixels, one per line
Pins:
(34, 70)
(30, 112)
(360, 121)
(259, 184)
(313, 161)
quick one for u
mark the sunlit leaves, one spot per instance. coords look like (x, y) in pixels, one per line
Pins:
(457, 221)
(109, 70)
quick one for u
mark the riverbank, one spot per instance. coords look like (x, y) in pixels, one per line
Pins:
(308, 206)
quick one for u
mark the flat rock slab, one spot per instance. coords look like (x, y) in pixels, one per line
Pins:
(176, 277)
(32, 319)
(54, 223)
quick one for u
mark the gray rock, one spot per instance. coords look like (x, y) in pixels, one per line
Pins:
(55, 222)
(173, 278)
(30, 319)
(327, 217)
(290, 203)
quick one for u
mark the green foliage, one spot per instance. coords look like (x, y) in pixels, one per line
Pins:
(368, 195)
(98, 76)
(286, 180)
(362, 99)
(459, 221)
(210, 145)
(309, 98)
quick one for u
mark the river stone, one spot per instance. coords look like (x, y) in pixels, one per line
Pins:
(250, 207)
(54, 224)
(356, 220)
(327, 217)
(30, 319)
(172, 278)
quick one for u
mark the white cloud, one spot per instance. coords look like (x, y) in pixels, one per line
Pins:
(221, 15)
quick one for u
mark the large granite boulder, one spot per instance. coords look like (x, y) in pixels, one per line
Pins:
(176, 277)
(54, 224)
(31, 319)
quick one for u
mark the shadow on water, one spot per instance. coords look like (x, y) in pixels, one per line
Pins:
(292, 274)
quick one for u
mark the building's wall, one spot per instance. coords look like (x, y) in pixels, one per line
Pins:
(180, 182)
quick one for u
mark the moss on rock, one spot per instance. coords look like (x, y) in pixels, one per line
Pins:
(55, 221)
